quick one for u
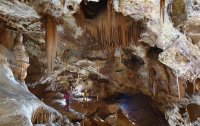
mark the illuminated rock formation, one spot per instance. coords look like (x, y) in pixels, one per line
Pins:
(21, 61)
(51, 42)
(18, 105)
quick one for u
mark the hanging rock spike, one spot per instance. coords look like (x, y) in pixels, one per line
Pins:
(162, 10)
(51, 42)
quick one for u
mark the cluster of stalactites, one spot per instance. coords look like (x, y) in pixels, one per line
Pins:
(113, 30)
(41, 115)
(118, 33)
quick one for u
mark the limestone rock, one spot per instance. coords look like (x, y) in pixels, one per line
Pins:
(171, 41)
(48, 7)
(21, 62)
(18, 105)
(16, 14)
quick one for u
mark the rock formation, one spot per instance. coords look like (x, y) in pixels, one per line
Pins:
(51, 42)
(114, 49)
(18, 105)
(21, 61)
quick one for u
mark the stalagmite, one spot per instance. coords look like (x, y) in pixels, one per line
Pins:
(51, 42)
(21, 62)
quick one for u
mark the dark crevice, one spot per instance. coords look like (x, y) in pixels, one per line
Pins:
(131, 61)
(153, 53)
(91, 9)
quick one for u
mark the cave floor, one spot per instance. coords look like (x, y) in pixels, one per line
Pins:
(121, 110)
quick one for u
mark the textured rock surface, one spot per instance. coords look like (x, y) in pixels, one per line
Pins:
(21, 59)
(15, 14)
(172, 41)
(18, 105)
(175, 42)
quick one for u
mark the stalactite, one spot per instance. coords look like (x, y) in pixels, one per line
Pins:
(168, 79)
(51, 42)
(179, 82)
(80, 17)
(119, 35)
(162, 9)
(111, 55)
(123, 30)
